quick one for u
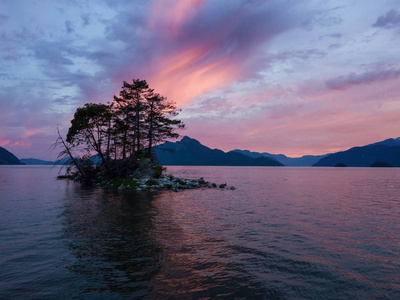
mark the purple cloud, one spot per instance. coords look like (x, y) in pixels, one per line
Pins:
(391, 18)
(85, 19)
(344, 82)
(69, 27)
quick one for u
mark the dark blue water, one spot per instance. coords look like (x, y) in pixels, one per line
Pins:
(284, 233)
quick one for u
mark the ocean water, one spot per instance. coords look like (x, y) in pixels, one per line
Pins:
(284, 233)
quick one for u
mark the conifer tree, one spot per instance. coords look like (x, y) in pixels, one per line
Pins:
(161, 126)
(136, 119)
(89, 127)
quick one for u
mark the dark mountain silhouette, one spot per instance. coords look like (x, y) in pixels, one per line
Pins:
(382, 153)
(306, 160)
(388, 142)
(7, 158)
(189, 151)
(34, 161)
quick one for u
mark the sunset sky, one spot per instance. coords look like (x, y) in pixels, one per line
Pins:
(280, 76)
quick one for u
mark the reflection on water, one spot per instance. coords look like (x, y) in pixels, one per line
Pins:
(284, 233)
(108, 233)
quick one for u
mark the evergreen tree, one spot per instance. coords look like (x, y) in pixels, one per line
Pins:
(161, 126)
(130, 108)
(135, 120)
(90, 127)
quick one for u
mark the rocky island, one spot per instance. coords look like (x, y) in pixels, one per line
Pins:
(113, 145)
(139, 175)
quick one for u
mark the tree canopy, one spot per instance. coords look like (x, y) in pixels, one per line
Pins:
(129, 127)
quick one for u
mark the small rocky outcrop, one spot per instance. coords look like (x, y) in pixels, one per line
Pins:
(340, 165)
(381, 164)
(164, 182)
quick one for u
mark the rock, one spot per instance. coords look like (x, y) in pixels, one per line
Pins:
(232, 188)
(146, 183)
(381, 164)
(340, 165)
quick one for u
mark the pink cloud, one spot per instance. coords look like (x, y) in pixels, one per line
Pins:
(21, 144)
(29, 133)
(181, 77)
(197, 46)
(309, 120)
(173, 14)
(4, 143)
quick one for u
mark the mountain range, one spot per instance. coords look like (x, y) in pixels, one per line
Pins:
(189, 151)
(306, 160)
(384, 153)
(34, 161)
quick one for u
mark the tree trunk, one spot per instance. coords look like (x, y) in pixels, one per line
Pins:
(70, 154)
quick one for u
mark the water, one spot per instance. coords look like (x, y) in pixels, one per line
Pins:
(284, 233)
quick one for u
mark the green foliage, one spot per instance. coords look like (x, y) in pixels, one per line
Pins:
(132, 183)
(171, 177)
(121, 168)
(151, 182)
(181, 182)
(115, 183)
(158, 171)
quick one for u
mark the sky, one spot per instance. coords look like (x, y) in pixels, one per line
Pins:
(280, 76)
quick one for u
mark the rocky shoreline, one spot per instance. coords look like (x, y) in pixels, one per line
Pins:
(163, 183)
(139, 175)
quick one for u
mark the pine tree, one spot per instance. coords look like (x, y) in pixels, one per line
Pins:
(161, 126)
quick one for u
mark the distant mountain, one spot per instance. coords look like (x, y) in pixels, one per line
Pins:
(191, 152)
(7, 158)
(95, 159)
(388, 142)
(306, 160)
(385, 153)
(34, 161)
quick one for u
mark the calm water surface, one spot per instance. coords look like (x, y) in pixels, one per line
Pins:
(284, 233)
